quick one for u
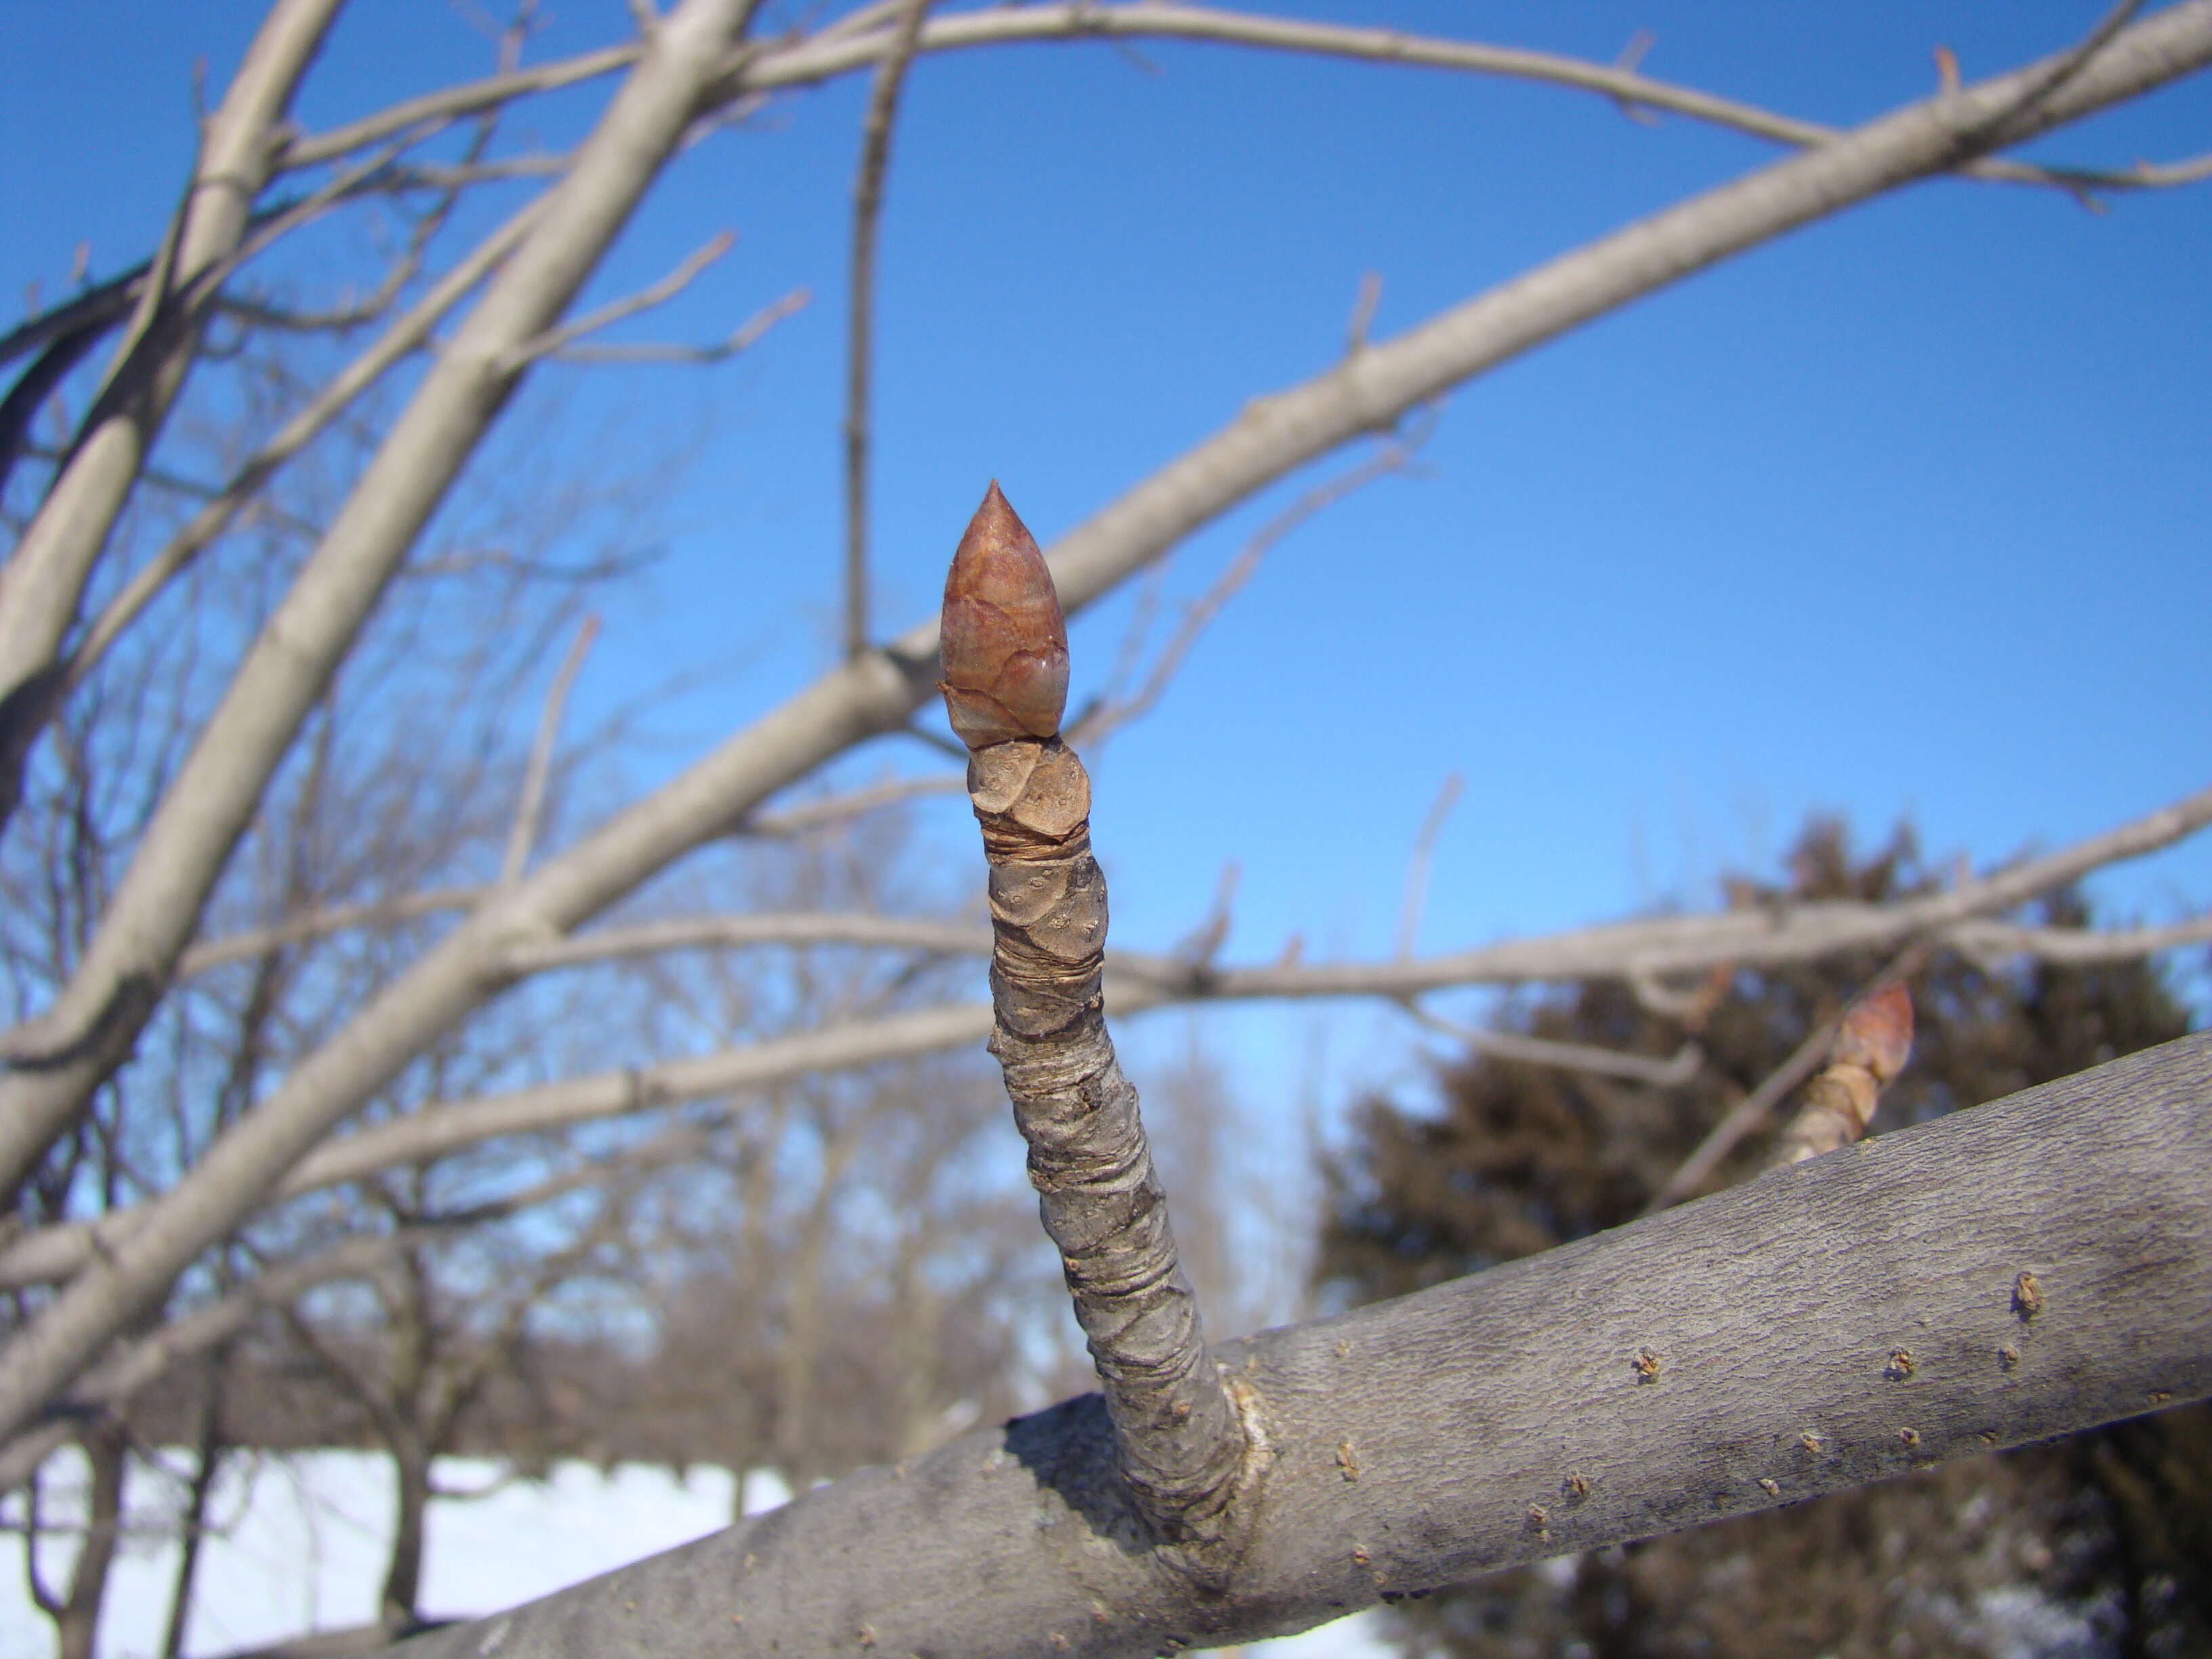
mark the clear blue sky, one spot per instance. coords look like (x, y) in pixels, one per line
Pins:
(1907, 514)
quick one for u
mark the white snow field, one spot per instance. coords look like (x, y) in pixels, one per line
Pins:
(298, 1543)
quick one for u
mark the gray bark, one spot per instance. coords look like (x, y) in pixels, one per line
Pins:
(215, 793)
(44, 578)
(1725, 1357)
(155, 908)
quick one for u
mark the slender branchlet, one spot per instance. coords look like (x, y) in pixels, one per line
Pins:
(1181, 1445)
(1869, 1050)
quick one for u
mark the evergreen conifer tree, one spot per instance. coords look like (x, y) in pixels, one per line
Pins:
(2102, 1544)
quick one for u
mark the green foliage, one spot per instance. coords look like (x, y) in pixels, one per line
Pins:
(2098, 1544)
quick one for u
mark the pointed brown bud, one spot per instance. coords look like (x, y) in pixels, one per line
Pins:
(1005, 642)
(1877, 1033)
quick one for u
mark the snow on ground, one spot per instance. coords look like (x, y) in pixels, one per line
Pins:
(298, 1544)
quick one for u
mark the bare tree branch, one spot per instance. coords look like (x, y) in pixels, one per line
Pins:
(471, 99)
(1995, 941)
(530, 811)
(863, 927)
(215, 794)
(440, 1128)
(822, 57)
(99, 308)
(878, 693)
(869, 37)
(656, 294)
(1424, 857)
(1770, 1379)
(1671, 1072)
(43, 582)
(811, 816)
(860, 311)
(115, 1380)
(317, 924)
(405, 336)
(789, 822)
(1103, 720)
(1686, 945)
(1137, 981)
(743, 338)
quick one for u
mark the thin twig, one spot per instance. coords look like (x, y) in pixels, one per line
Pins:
(266, 232)
(1101, 722)
(403, 337)
(1670, 1073)
(254, 942)
(1363, 305)
(1631, 59)
(471, 98)
(867, 212)
(813, 815)
(1422, 858)
(1751, 1111)
(743, 338)
(530, 809)
(1203, 943)
(857, 928)
(1990, 943)
(559, 339)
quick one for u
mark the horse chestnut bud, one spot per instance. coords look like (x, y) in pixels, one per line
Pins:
(1877, 1033)
(1004, 642)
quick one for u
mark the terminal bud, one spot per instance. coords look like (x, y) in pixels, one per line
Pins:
(1005, 640)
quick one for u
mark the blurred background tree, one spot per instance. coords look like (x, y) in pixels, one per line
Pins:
(2102, 1544)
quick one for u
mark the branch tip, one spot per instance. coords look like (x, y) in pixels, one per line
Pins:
(1877, 1033)
(1004, 640)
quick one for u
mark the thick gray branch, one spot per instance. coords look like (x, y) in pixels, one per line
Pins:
(1718, 1359)
(43, 582)
(218, 788)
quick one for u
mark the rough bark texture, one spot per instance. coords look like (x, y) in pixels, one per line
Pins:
(1180, 1446)
(1178, 1443)
(1718, 1358)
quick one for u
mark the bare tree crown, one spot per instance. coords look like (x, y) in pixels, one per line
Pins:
(326, 995)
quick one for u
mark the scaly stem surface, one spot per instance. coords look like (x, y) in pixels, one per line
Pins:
(1180, 1444)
